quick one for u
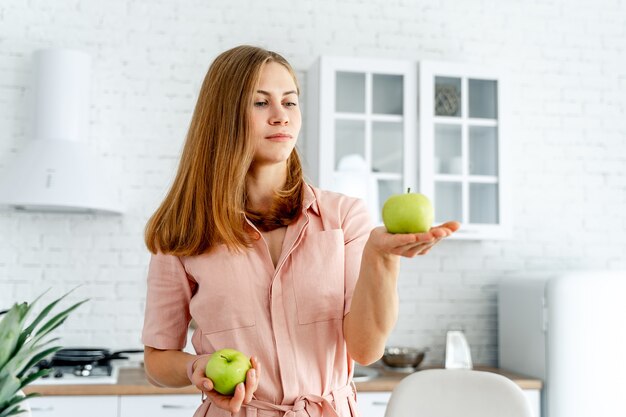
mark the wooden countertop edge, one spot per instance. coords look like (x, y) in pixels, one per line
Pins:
(132, 381)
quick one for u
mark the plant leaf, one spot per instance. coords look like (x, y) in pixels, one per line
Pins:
(39, 317)
(17, 362)
(57, 320)
(12, 411)
(12, 405)
(38, 357)
(34, 376)
(10, 329)
(22, 346)
(9, 385)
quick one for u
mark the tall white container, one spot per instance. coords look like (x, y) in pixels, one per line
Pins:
(567, 329)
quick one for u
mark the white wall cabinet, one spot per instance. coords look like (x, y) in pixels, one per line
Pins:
(75, 406)
(462, 133)
(361, 127)
(366, 138)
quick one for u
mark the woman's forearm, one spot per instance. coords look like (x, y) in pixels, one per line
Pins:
(167, 368)
(374, 308)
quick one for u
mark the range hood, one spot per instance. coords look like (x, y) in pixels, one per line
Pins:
(56, 171)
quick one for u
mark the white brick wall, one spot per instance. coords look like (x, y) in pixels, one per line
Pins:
(566, 60)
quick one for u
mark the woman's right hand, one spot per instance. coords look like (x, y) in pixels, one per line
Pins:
(243, 392)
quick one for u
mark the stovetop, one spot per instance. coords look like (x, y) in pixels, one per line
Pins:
(77, 374)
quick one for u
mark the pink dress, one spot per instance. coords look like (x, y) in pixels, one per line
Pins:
(290, 317)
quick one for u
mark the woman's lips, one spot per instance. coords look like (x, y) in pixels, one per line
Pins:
(279, 137)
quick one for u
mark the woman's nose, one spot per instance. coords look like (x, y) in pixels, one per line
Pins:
(279, 116)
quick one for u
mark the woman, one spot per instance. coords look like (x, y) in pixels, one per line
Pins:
(263, 262)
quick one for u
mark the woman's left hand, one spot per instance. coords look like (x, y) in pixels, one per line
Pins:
(410, 245)
(243, 392)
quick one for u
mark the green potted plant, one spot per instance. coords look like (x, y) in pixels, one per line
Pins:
(22, 345)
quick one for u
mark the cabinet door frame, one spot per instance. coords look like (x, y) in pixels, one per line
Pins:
(320, 150)
(428, 70)
(159, 405)
(373, 403)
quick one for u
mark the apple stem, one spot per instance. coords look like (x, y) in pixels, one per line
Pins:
(227, 360)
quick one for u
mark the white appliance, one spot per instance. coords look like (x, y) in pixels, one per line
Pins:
(458, 353)
(569, 330)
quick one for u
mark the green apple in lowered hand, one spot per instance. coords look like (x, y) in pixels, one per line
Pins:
(408, 213)
(227, 368)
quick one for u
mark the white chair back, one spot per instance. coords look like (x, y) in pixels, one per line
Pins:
(457, 392)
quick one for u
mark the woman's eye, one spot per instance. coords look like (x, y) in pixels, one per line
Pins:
(290, 104)
(260, 103)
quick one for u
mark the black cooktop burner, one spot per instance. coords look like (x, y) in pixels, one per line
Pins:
(76, 374)
(87, 370)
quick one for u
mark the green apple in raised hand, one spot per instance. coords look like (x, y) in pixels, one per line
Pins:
(408, 213)
(227, 368)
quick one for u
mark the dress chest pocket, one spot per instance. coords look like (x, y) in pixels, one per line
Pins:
(318, 277)
(225, 296)
(225, 313)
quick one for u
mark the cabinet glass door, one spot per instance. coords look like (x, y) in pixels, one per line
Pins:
(370, 129)
(466, 150)
(461, 144)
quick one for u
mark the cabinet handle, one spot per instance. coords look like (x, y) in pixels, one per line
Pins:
(176, 407)
(383, 403)
(42, 409)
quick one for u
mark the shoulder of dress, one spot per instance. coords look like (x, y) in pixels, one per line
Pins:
(332, 199)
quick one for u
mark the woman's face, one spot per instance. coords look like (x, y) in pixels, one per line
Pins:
(275, 115)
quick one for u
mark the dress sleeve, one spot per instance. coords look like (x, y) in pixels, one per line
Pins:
(356, 227)
(167, 303)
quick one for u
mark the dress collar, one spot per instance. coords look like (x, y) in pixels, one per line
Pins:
(309, 201)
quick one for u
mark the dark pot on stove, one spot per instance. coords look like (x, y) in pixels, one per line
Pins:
(84, 356)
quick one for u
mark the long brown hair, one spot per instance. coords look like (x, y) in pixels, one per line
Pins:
(206, 204)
